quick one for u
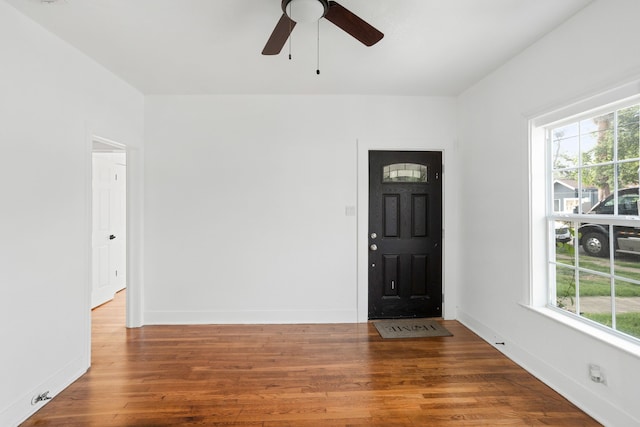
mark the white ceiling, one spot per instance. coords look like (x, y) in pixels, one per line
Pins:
(430, 47)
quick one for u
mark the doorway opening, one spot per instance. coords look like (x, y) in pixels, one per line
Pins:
(108, 220)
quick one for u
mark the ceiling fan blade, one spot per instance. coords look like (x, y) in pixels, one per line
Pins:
(279, 36)
(352, 24)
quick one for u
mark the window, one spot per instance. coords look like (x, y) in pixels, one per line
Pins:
(593, 252)
(404, 172)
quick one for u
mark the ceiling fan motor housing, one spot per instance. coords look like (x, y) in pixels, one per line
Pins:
(295, 11)
(305, 10)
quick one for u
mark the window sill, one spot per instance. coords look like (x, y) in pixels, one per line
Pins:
(606, 337)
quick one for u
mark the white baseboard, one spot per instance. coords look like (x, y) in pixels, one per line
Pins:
(24, 406)
(601, 410)
(249, 317)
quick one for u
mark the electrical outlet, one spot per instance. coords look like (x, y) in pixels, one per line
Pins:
(596, 374)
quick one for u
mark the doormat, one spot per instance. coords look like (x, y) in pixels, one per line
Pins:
(410, 328)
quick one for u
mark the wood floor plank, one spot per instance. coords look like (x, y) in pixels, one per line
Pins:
(297, 375)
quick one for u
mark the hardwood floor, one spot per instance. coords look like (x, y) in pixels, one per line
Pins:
(297, 375)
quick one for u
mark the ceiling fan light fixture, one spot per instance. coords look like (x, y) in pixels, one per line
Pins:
(294, 11)
(305, 10)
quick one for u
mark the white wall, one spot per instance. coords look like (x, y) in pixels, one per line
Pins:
(52, 99)
(245, 200)
(595, 50)
(245, 203)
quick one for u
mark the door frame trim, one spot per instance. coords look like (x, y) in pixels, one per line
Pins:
(134, 224)
(362, 241)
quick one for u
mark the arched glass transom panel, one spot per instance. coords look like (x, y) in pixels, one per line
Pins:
(404, 172)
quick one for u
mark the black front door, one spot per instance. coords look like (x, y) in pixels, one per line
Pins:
(405, 234)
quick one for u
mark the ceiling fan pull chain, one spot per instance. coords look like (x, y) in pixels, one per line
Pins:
(290, 32)
(318, 69)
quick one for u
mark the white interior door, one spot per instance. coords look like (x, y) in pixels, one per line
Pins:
(109, 226)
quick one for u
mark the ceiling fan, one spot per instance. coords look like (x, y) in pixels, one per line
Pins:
(295, 11)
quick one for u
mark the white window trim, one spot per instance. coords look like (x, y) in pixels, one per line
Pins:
(538, 290)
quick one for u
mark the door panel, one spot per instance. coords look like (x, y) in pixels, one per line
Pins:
(390, 275)
(391, 215)
(118, 225)
(405, 234)
(420, 219)
(419, 274)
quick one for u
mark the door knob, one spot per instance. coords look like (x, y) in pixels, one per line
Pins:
(112, 237)
(373, 247)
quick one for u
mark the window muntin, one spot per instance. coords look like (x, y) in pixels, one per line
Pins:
(594, 167)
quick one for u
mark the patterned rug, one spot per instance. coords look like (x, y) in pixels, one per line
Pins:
(410, 328)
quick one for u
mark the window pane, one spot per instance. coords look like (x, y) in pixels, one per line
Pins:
(404, 172)
(594, 243)
(588, 199)
(593, 263)
(600, 179)
(565, 288)
(564, 252)
(565, 146)
(629, 290)
(628, 308)
(627, 259)
(628, 137)
(629, 117)
(593, 285)
(596, 139)
(595, 297)
(565, 191)
(628, 201)
(602, 318)
(628, 178)
(567, 198)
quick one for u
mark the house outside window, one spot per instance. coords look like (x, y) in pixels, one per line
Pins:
(592, 221)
